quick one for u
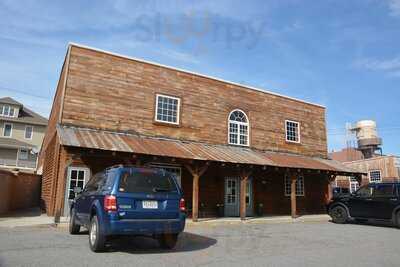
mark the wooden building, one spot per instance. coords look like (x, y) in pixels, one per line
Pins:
(378, 169)
(231, 146)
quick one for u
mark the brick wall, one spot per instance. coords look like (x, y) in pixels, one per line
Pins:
(49, 176)
(114, 93)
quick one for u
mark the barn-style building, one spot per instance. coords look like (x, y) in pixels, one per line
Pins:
(236, 150)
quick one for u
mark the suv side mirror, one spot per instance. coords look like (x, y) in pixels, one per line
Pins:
(77, 190)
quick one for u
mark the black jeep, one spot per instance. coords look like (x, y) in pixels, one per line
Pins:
(376, 201)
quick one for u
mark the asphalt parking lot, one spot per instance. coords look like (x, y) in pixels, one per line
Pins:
(285, 244)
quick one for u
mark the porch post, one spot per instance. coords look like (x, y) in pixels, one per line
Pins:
(293, 204)
(195, 197)
(244, 177)
(330, 179)
(196, 172)
(358, 177)
(243, 182)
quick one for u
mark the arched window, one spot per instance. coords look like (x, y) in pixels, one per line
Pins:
(238, 128)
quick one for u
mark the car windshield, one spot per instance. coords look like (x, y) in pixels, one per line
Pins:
(137, 180)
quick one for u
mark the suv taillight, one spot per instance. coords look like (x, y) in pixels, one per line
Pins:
(110, 203)
(182, 205)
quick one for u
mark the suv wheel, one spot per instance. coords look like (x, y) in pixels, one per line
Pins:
(397, 219)
(168, 241)
(96, 238)
(73, 226)
(339, 214)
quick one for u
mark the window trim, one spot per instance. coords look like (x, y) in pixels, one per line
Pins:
(19, 154)
(178, 115)
(298, 128)
(287, 178)
(4, 129)
(9, 111)
(380, 175)
(351, 182)
(26, 126)
(239, 123)
(86, 179)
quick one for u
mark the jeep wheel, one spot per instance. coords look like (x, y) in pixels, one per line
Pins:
(339, 214)
(168, 241)
(73, 226)
(96, 238)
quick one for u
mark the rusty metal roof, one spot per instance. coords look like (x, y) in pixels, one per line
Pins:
(123, 142)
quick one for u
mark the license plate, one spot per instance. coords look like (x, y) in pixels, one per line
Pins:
(150, 204)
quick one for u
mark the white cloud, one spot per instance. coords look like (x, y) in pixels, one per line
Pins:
(179, 56)
(394, 6)
(389, 66)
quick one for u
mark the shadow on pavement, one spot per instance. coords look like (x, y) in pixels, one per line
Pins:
(31, 212)
(147, 245)
(372, 223)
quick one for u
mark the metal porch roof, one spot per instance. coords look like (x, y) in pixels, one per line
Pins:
(134, 143)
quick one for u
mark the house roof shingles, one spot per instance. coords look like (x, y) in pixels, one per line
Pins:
(10, 101)
(14, 143)
(134, 143)
(25, 115)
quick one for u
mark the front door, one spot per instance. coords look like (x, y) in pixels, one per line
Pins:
(232, 197)
(76, 177)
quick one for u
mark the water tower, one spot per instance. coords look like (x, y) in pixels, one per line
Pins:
(368, 141)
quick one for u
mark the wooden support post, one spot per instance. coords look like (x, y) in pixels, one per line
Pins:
(293, 204)
(330, 179)
(243, 183)
(195, 197)
(196, 172)
(244, 177)
(358, 177)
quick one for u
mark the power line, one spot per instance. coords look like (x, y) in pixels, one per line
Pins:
(24, 93)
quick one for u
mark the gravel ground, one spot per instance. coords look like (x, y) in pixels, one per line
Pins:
(285, 244)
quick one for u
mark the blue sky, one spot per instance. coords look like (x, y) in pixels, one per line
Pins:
(341, 54)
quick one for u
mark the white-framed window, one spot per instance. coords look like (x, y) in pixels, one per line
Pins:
(170, 168)
(23, 154)
(7, 130)
(375, 176)
(77, 177)
(7, 111)
(238, 128)
(299, 186)
(167, 109)
(292, 131)
(28, 132)
(354, 185)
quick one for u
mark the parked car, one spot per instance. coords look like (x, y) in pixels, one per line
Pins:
(377, 201)
(127, 200)
(336, 191)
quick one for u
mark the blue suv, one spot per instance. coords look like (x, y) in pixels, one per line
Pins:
(127, 200)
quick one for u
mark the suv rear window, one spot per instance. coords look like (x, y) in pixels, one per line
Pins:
(146, 181)
(384, 190)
